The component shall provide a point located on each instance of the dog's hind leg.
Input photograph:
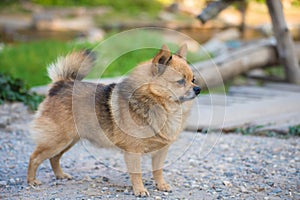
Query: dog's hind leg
(41, 153)
(56, 165)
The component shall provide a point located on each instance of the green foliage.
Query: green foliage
(13, 89)
(249, 130)
(258, 131)
(276, 71)
(119, 5)
(259, 1)
(8, 2)
(294, 130)
(28, 61)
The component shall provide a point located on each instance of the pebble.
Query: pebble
(193, 162)
(276, 190)
(186, 185)
(157, 198)
(165, 193)
(227, 183)
(243, 189)
(12, 181)
(228, 174)
(126, 192)
(270, 183)
(105, 179)
(3, 183)
(53, 183)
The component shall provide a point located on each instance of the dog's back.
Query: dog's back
(70, 101)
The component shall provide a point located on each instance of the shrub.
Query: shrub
(14, 89)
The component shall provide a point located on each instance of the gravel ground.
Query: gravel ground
(211, 166)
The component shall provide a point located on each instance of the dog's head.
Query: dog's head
(172, 76)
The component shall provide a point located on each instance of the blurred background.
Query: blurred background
(34, 32)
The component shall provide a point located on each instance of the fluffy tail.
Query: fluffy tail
(74, 66)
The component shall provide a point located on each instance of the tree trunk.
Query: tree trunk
(285, 47)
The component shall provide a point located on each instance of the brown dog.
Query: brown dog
(143, 114)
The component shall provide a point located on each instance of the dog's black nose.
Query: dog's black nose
(197, 90)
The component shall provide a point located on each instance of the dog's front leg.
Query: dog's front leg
(158, 159)
(133, 162)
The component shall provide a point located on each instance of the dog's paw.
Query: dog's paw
(34, 182)
(141, 192)
(64, 176)
(164, 187)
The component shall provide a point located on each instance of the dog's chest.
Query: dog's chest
(173, 124)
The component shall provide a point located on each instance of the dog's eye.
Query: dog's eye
(193, 81)
(181, 82)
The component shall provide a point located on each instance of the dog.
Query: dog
(143, 114)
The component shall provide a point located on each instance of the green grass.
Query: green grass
(132, 6)
(125, 6)
(28, 61)
(276, 71)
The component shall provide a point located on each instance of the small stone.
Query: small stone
(53, 184)
(276, 190)
(4, 121)
(243, 189)
(165, 193)
(157, 198)
(12, 181)
(227, 183)
(228, 174)
(186, 185)
(105, 188)
(270, 183)
(3, 183)
(105, 179)
(193, 162)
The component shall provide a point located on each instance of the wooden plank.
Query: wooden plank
(283, 87)
(273, 107)
(259, 91)
(219, 99)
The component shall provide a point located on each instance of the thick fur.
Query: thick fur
(143, 114)
(74, 66)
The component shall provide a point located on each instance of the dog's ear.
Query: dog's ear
(182, 51)
(160, 60)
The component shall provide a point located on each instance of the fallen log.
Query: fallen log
(214, 72)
